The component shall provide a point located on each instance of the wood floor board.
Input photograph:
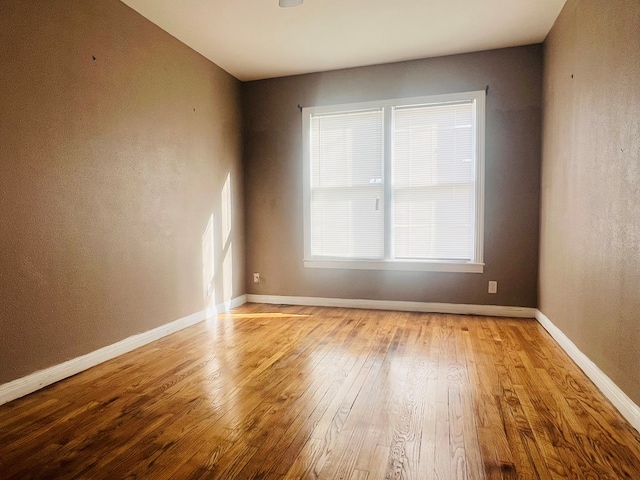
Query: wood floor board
(287, 392)
(293, 412)
(313, 424)
(349, 444)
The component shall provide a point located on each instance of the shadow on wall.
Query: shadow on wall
(217, 276)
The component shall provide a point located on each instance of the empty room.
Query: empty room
(320, 239)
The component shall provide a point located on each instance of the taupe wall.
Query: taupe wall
(273, 174)
(109, 171)
(590, 229)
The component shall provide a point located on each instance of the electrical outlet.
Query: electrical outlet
(493, 286)
(256, 278)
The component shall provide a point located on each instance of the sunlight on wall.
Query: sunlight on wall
(227, 275)
(208, 266)
(227, 247)
(225, 217)
(217, 278)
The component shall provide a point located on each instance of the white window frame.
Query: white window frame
(476, 265)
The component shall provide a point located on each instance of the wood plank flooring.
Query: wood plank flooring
(283, 392)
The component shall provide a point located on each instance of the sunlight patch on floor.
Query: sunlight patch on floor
(260, 315)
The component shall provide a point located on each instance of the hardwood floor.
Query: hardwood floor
(298, 392)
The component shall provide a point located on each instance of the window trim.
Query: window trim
(476, 265)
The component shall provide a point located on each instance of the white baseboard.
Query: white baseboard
(226, 306)
(40, 379)
(462, 309)
(622, 402)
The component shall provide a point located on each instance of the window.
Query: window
(397, 184)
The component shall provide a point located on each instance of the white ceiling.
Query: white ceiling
(254, 39)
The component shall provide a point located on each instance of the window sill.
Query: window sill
(461, 267)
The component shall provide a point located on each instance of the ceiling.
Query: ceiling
(255, 39)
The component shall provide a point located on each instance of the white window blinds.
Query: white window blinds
(347, 211)
(433, 182)
(395, 184)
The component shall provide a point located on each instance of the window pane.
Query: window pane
(433, 223)
(433, 182)
(347, 213)
(347, 222)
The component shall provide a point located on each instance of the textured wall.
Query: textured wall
(273, 173)
(590, 228)
(115, 144)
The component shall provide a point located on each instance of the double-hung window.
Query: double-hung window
(395, 184)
